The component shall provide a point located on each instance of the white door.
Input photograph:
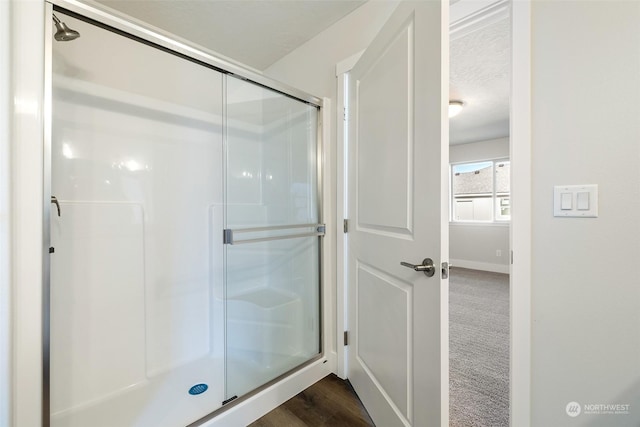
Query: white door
(398, 156)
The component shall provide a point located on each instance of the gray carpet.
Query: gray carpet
(479, 348)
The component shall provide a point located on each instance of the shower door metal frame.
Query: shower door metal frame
(46, 217)
(167, 42)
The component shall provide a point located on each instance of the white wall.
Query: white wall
(311, 67)
(5, 224)
(25, 187)
(475, 245)
(585, 280)
(481, 150)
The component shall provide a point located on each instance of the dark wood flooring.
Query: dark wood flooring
(331, 402)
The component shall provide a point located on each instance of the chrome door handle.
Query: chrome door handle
(426, 267)
(54, 200)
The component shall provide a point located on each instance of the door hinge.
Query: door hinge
(52, 250)
(346, 338)
(345, 225)
(511, 257)
(344, 115)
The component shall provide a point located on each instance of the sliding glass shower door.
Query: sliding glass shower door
(185, 235)
(272, 236)
(137, 315)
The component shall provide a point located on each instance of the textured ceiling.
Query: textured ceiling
(479, 76)
(254, 32)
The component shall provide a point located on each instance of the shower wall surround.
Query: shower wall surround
(154, 320)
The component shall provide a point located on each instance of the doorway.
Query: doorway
(480, 215)
(499, 10)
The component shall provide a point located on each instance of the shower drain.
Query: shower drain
(198, 389)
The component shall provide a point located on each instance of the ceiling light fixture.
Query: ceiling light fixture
(455, 107)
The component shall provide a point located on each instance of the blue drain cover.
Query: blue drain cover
(198, 389)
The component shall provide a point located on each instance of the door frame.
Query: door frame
(520, 229)
(342, 291)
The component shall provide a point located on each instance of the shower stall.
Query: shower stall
(185, 232)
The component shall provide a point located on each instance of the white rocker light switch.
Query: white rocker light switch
(566, 201)
(580, 201)
(583, 201)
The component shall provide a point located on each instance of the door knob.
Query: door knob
(426, 267)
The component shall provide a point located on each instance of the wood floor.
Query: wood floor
(331, 402)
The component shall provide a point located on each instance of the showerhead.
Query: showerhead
(64, 33)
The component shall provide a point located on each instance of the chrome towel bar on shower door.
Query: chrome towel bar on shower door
(229, 235)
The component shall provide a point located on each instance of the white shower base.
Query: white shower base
(164, 399)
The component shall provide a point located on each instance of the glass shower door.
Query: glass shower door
(137, 321)
(272, 251)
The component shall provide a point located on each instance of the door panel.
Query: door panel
(384, 341)
(398, 152)
(384, 122)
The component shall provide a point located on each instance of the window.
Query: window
(480, 191)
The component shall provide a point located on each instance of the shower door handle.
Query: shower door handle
(426, 267)
(54, 200)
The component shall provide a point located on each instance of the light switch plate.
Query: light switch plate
(583, 206)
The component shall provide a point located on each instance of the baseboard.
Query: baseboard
(258, 405)
(484, 266)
